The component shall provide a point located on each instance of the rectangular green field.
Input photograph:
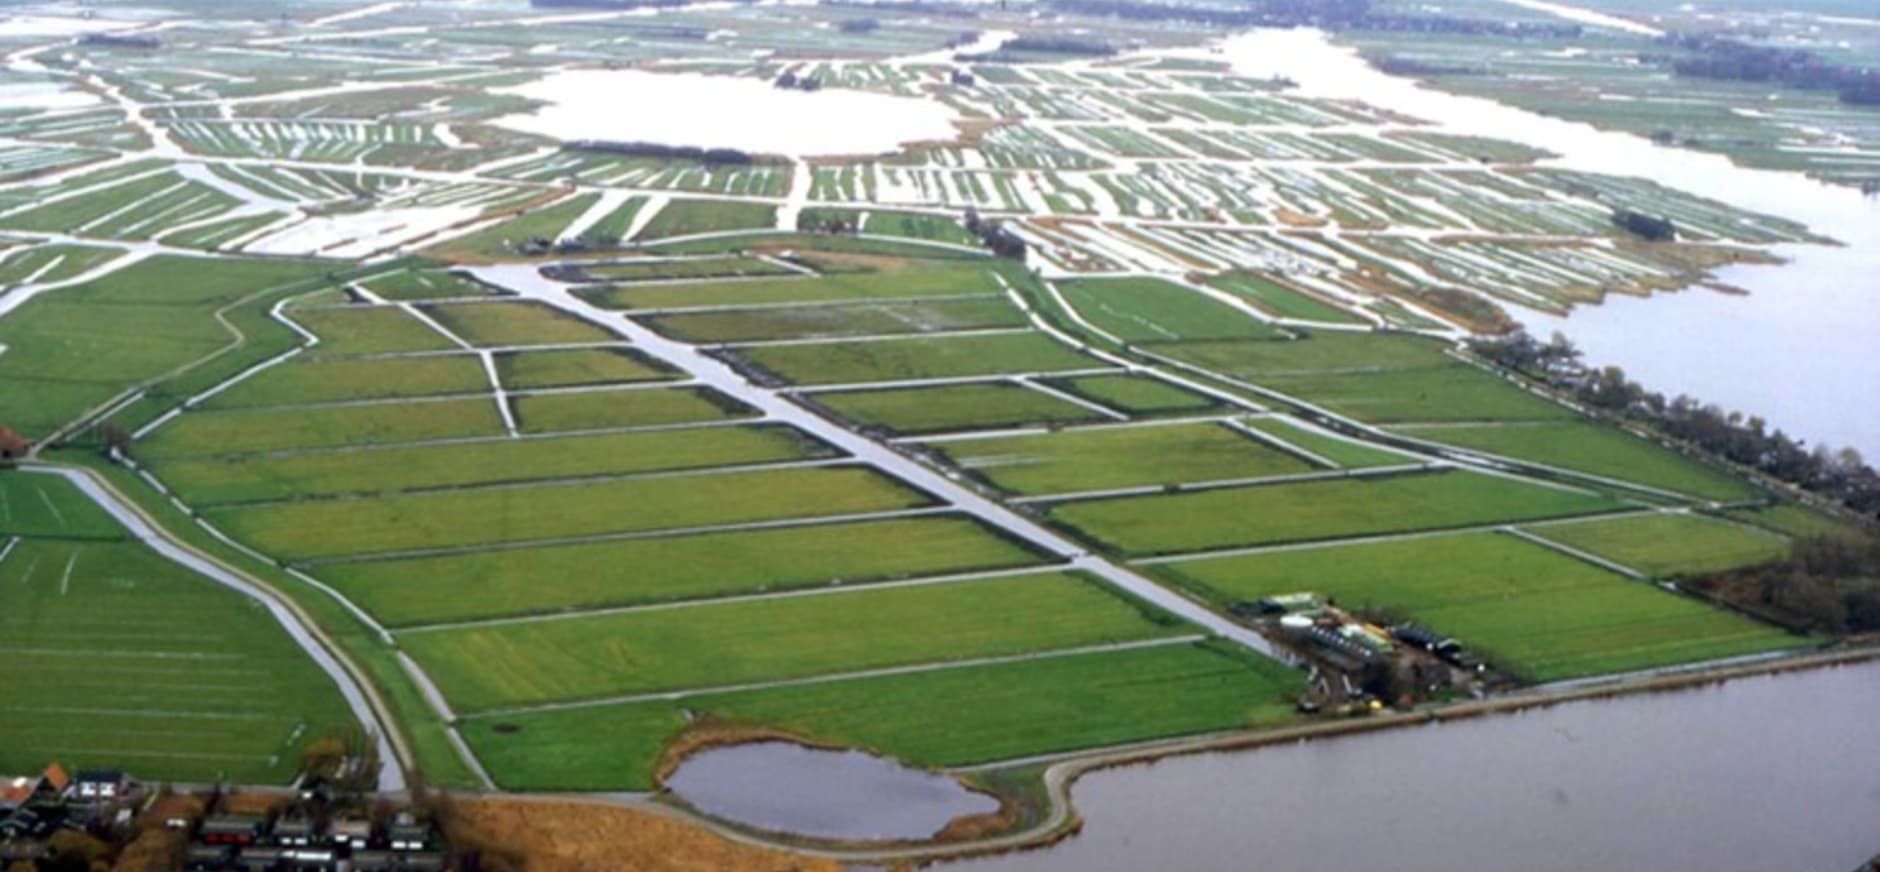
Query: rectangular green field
(308, 381)
(744, 641)
(1280, 300)
(507, 238)
(922, 358)
(665, 568)
(1456, 392)
(692, 217)
(251, 431)
(836, 321)
(468, 519)
(1156, 310)
(1670, 545)
(1136, 395)
(1794, 520)
(1091, 459)
(1597, 449)
(948, 408)
(118, 658)
(1344, 453)
(574, 367)
(392, 469)
(1314, 352)
(429, 284)
(732, 266)
(345, 330)
(1306, 511)
(946, 717)
(1537, 613)
(916, 279)
(501, 323)
(617, 409)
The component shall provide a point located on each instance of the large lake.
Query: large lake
(1767, 774)
(1800, 349)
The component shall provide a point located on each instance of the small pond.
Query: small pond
(840, 795)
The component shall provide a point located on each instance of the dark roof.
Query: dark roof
(97, 776)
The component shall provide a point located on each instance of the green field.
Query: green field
(1456, 392)
(74, 348)
(912, 359)
(572, 367)
(737, 642)
(44, 506)
(467, 519)
(1136, 394)
(1090, 459)
(1306, 511)
(1793, 520)
(347, 330)
(1670, 545)
(308, 381)
(1534, 612)
(497, 324)
(917, 226)
(691, 217)
(663, 568)
(1155, 310)
(1314, 352)
(1344, 453)
(392, 469)
(683, 268)
(947, 717)
(420, 285)
(247, 431)
(1281, 301)
(506, 238)
(835, 321)
(953, 407)
(1594, 448)
(608, 410)
(912, 279)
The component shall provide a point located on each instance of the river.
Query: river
(1765, 774)
(1798, 350)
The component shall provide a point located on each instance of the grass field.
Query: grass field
(1281, 301)
(605, 410)
(946, 717)
(664, 568)
(1456, 392)
(467, 519)
(1341, 452)
(826, 321)
(1155, 310)
(333, 380)
(119, 658)
(1793, 520)
(247, 431)
(1669, 545)
(1598, 449)
(911, 359)
(736, 642)
(953, 407)
(1306, 511)
(1315, 352)
(392, 469)
(683, 268)
(1542, 615)
(1136, 394)
(1070, 461)
(907, 279)
(691, 217)
(345, 330)
(72, 349)
(44, 506)
(497, 324)
(917, 226)
(430, 284)
(570, 367)
(505, 239)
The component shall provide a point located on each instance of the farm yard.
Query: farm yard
(582, 452)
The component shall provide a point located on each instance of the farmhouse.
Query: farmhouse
(100, 785)
(12, 445)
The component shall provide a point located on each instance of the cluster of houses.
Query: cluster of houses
(308, 830)
(1328, 636)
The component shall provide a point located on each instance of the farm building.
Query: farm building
(100, 785)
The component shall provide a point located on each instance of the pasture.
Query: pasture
(616, 409)
(1136, 394)
(311, 381)
(1306, 511)
(1156, 310)
(1093, 459)
(501, 324)
(352, 330)
(1594, 448)
(251, 431)
(837, 321)
(693, 217)
(900, 281)
(946, 717)
(1670, 545)
(947, 408)
(938, 357)
(573, 367)
(1536, 613)
(737, 642)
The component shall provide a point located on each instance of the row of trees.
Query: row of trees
(1717, 57)
(1840, 475)
(1828, 584)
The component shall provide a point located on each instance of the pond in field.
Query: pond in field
(1798, 349)
(725, 112)
(845, 795)
(1766, 774)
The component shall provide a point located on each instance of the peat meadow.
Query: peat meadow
(629, 434)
